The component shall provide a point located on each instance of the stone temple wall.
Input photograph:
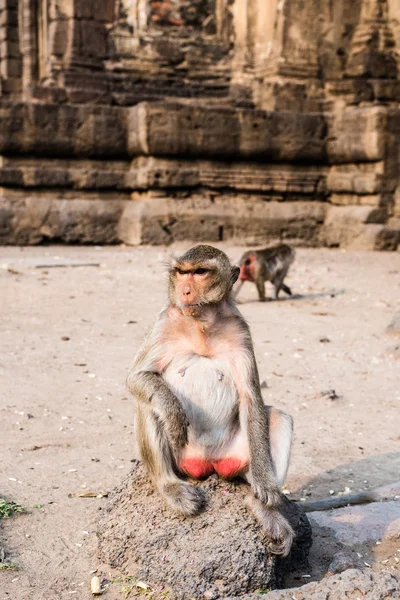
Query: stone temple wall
(149, 121)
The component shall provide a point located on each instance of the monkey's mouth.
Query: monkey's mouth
(190, 305)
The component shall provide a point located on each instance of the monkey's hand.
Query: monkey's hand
(266, 490)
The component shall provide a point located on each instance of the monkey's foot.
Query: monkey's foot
(278, 530)
(184, 497)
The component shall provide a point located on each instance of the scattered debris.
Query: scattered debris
(88, 495)
(141, 585)
(324, 340)
(343, 560)
(329, 395)
(264, 385)
(67, 264)
(95, 586)
(65, 338)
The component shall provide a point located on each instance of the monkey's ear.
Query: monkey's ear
(235, 272)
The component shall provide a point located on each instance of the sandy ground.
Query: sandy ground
(68, 336)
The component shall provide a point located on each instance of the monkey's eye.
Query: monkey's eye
(247, 262)
(200, 271)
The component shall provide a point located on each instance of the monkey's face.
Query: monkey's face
(193, 287)
(201, 277)
(248, 268)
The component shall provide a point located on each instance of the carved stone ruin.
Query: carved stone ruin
(221, 552)
(150, 121)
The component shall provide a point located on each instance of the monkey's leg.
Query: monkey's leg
(273, 522)
(286, 289)
(278, 283)
(158, 458)
(280, 429)
(277, 528)
(260, 288)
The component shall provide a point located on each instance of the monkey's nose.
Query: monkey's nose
(186, 291)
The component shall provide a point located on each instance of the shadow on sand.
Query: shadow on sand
(284, 298)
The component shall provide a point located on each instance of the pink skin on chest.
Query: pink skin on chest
(199, 468)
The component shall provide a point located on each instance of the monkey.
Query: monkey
(199, 408)
(269, 264)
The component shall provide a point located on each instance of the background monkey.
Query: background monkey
(269, 264)
(199, 407)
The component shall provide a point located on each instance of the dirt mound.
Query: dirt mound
(218, 553)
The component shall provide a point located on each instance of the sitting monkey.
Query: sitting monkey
(199, 408)
(269, 264)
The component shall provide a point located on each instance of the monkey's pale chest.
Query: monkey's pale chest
(206, 388)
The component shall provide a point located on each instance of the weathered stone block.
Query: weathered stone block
(62, 130)
(60, 32)
(355, 199)
(187, 130)
(286, 136)
(224, 550)
(104, 10)
(372, 64)
(9, 49)
(362, 524)
(60, 9)
(365, 585)
(9, 13)
(394, 223)
(357, 135)
(163, 219)
(101, 10)
(357, 227)
(90, 38)
(280, 179)
(33, 219)
(84, 9)
(362, 179)
(11, 67)
(9, 34)
(167, 129)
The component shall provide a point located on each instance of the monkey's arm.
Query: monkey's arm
(263, 480)
(146, 384)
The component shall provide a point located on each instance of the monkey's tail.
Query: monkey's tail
(340, 501)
